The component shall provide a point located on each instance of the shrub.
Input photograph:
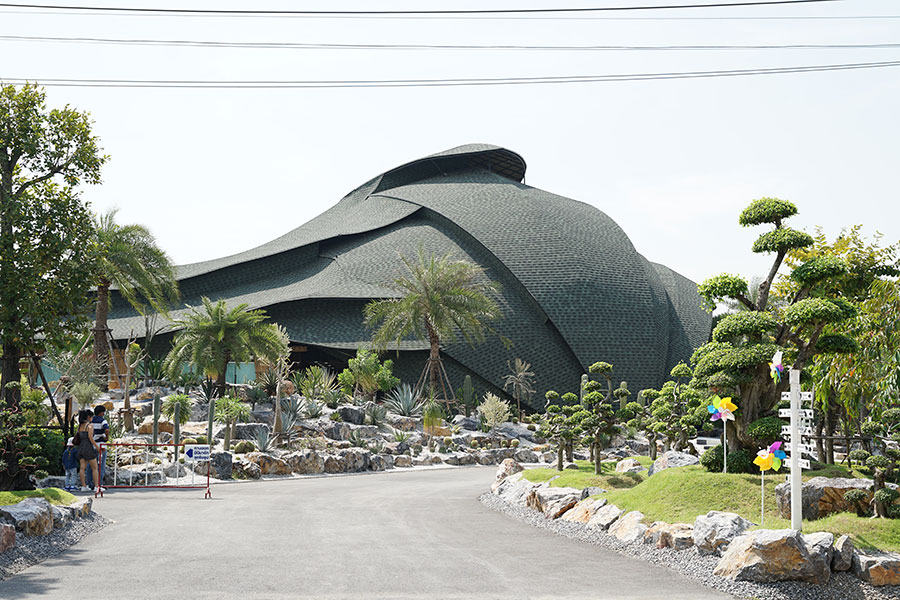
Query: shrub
(313, 410)
(712, 459)
(765, 430)
(739, 461)
(49, 454)
(859, 456)
(878, 462)
(244, 446)
(886, 496)
(336, 416)
(493, 410)
(403, 401)
(856, 498)
(41, 474)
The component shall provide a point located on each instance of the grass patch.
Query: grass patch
(53, 495)
(585, 476)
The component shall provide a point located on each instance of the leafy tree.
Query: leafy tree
(230, 410)
(440, 300)
(743, 343)
(520, 381)
(560, 425)
(127, 257)
(366, 374)
(678, 411)
(45, 232)
(216, 335)
(494, 411)
(598, 422)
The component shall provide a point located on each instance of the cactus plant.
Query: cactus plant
(157, 405)
(468, 394)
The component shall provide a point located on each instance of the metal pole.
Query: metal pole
(796, 484)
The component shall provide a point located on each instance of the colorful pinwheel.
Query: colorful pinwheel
(776, 369)
(771, 458)
(721, 408)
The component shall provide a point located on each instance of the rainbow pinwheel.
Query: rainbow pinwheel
(776, 369)
(722, 408)
(771, 458)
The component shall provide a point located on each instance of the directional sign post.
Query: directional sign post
(796, 484)
(196, 452)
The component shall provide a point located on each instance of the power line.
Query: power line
(247, 12)
(329, 46)
(393, 83)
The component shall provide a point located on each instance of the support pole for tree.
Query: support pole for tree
(62, 423)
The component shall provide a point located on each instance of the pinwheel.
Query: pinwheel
(722, 408)
(776, 369)
(765, 460)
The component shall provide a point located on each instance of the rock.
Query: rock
(268, 464)
(31, 516)
(145, 475)
(337, 431)
(672, 459)
(670, 535)
(381, 462)
(57, 481)
(352, 414)
(306, 462)
(62, 516)
(402, 423)
(82, 506)
(820, 546)
(821, 496)
(591, 491)
(881, 568)
(616, 453)
(222, 464)
(508, 467)
(356, 459)
(245, 431)
(402, 460)
(769, 555)
(842, 559)
(146, 428)
(468, 423)
(178, 470)
(7, 537)
(515, 430)
(605, 516)
(584, 510)
(548, 457)
(629, 465)
(570, 465)
(501, 454)
(335, 464)
(629, 528)
(485, 457)
(461, 458)
(553, 501)
(638, 446)
(244, 469)
(526, 456)
(514, 489)
(714, 530)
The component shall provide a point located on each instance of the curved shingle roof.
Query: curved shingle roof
(574, 289)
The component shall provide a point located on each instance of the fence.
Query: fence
(145, 465)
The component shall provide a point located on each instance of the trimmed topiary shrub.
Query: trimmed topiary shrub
(739, 461)
(243, 447)
(886, 495)
(856, 498)
(712, 459)
(765, 430)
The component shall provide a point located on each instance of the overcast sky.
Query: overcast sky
(214, 172)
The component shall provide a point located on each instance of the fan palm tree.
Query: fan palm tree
(520, 381)
(127, 257)
(441, 299)
(215, 335)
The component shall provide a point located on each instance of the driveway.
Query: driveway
(414, 534)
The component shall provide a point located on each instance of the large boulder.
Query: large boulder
(306, 462)
(244, 469)
(526, 456)
(31, 516)
(175, 469)
(584, 510)
(335, 463)
(402, 460)
(62, 516)
(630, 527)
(7, 537)
(222, 464)
(356, 459)
(467, 423)
(514, 430)
(352, 414)
(769, 555)
(821, 496)
(146, 428)
(337, 431)
(842, 559)
(672, 459)
(514, 489)
(629, 465)
(508, 467)
(715, 530)
(55, 481)
(486, 457)
(82, 506)
(877, 568)
(268, 464)
(605, 516)
(670, 535)
(402, 423)
(553, 501)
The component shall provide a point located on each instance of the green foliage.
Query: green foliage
(765, 430)
(569, 398)
(854, 496)
(313, 410)
(740, 461)
(747, 323)
(878, 462)
(681, 370)
(721, 287)
(403, 401)
(264, 439)
(781, 240)
(749, 356)
(818, 269)
(188, 441)
(712, 459)
(600, 368)
(521, 381)
(268, 381)
(243, 447)
(493, 410)
(859, 456)
(886, 495)
(255, 395)
(230, 410)
(201, 439)
(315, 382)
(467, 397)
(812, 310)
(184, 414)
(336, 417)
(836, 343)
(45, 448)
(366, 373)
(376, 414)
(32, 404)
(767, 210)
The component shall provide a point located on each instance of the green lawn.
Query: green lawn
(53, 495)
(680, 495)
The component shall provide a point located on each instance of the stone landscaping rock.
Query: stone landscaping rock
(245, 431)
(352, 414)
(629, 528)
(460, 458)
(570, 465)
(380, 462)
(553, 501)
(7, 537)
(515, 430)
(591, 491)
(355, 459)
(638, 446)
(306, 462)
(822, 496)
(222, 464)
(178, 470)
(31, 516)
(402, 423)
(82, 506)
(670, 535)
(714, 530)
(268, 464)
(402, 460)
(526, 456)
(548, 457)
(57, 481)
(468, 423)
(769, 555)
(485, 457)
(335, 464)
(820, 546)
(514, 489)
(878, 569)
(337, 431)
(629, 465)
(605, 516)
(672, 459)
(244, 469)
(508, 467)
(146, 428)
(842, 558)
(144, 475)
(584, 510)
(62, 515)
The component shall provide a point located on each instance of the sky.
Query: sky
(213, 172)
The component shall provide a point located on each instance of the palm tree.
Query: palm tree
(216, 335)
(521, 381)
(127, 257)
(440, 299)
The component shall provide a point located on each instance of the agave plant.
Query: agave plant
(292, 406)
(401, 436)
(289, 434)
(377, 446)
(403, 401)
(332, 398)
(376, 414)
(264, 439)
(313, 410)
(268, 381)
(357, 440)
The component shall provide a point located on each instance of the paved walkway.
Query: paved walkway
(420, 534)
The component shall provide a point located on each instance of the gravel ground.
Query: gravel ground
(29, 551)
(842, 586)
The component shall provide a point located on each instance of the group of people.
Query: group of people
(83, 454)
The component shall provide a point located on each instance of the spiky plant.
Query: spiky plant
(403, 401)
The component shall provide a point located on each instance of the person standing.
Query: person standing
(88, 448)
(101, 435)
(70, 464)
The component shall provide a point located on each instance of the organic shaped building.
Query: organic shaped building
(574, 290)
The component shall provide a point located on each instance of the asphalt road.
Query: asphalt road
(419, 534)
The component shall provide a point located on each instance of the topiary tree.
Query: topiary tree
(881, 466)
(648, 421)
(598, 421)
(856, 498)
(765, 431)
(494, 411)
(558, 425)
(743, 343)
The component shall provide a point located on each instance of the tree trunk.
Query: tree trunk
(434, 359)
(829, 433)
(12, 355)
(559, 455)
(129, 418)
(820, 428)
(652, 440)
(101, 332)
(570, 450)
(878, 481)
(598, 466)
(276, 425)
(221, 378)
(12, 477)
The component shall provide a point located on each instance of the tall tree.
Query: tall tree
(45, 233)
(521, 381)
(128, 258)
(216, 335)
(440, 300)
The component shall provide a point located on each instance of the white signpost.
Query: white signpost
(196, 452)
(801, 426)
